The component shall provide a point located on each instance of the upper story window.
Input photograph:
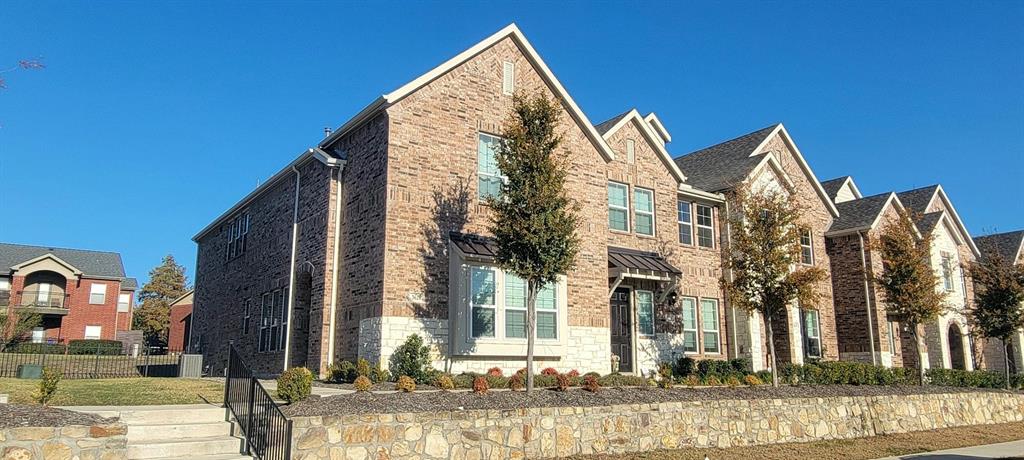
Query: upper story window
(685, 220)
(806, 248)
(709, 322)
(618, 206)
(630, 151)
(643, 202)
(508, 78)
(238, 235)
(98, 294)
(489, 176)
(812, 334)
(690, 341)
(947, 271)
(645, 312)
(705, 226)
(247, 316)
(124, 302)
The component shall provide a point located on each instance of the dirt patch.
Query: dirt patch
(374, 403)
(20, 415)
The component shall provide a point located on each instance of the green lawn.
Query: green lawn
(119, 392)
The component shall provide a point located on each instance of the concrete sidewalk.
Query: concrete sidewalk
(1004, 450)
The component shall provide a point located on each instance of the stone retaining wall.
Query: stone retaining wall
(96, 442)
(559, 432)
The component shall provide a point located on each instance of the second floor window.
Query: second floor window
(618, 206)
(97, 294)
(123, 302)
(238, 236)
(806, 248)
(643, 201)
(705, 226)
(490, 180)
(685, 219)
(947, 271)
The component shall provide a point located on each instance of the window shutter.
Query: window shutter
(508, 78)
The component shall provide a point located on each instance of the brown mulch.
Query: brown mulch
(376, 403)
(21, 415)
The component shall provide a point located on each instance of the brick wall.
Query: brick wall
(179, 324)
(80, 312)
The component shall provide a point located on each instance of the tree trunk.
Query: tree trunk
(531, 325)
(918, 332)
(771, 350)
(1006, 360)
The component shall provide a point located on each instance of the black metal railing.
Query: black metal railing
(86, 361)
(267, 432)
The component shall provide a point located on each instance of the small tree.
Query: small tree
(14, 325)
(153, 316)
(909, 285)
(763, 261)
(998, 310)
(533, 220)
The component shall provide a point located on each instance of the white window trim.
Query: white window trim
(696, 323)
(654, 329)
(638, 212)
(718, 327)
(493, 307)
(893, 330)
(619, 208)
(127, 303)
(689, 224)
(630, 151)
(480, 174)
(946, 266)
(809, 246)
(92, 292)
(709, 227)
(247, 316)
(43, 291)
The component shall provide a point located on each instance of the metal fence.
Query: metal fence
(99, 360)
(267, 432)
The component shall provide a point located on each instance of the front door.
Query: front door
(622, 329)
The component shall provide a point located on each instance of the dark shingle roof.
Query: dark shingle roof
(860, 213)
(832, 186)
(1005, 244)
(639, 260)
(94, 263)
(129, 284)
(723, 166)
(916, 200)
(604, 126)
(927, 222)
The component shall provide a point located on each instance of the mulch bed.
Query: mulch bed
(380, 386)
(378, 403)
(20, 415)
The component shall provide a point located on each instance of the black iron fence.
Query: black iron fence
(85, 360)
(267, 432)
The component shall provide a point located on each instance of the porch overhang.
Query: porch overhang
(630, 263)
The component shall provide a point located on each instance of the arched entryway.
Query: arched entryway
(957, 354)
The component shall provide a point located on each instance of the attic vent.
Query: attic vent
(508, 78)
(630, 150)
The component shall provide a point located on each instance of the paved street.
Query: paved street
(1004, 450)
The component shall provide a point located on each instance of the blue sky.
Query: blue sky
(152, 119)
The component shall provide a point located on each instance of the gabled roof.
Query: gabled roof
(918, 200)
(724, 166)
(927, 223)
(861, 214)
(130, 284)
(1008, 245)
(605, 126)
(510, 31)
(609, 128)
(181, 297)
(833, 186)
(90, 263)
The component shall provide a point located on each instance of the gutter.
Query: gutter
(291, 271)
(867, 299)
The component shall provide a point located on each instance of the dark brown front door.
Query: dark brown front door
(622, 329)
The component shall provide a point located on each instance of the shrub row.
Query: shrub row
(687, 366)
(74, 347)
(845, 373)
(972, 379)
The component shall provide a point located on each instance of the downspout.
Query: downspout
(867, 299)
(291, 271)
(334, 269)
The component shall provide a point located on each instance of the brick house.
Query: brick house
(379, 232)
(1009, 246)
(79, 294)
(180, 325)
(768, 159)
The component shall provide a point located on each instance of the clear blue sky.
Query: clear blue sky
(150, 120)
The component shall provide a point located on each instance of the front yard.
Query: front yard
(119, 392)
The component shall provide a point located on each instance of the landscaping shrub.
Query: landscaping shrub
(47, 386)
(515, 383)
(544, 381)
(494, 372)
(549, 371)
(590, 383)
(595, 374)
(1017, 381)
(405, 384)
(573, 373)
(732, 381)
(665, 383)
(480, 385)
(464, 380)
(739, 365)
(95, 347)
(712, 381)
(496, 382)
(379, 374)
(691, 381)
(363, 367)
(664, 370)
(444, 382)
(362, 383)
(966, 379)
(753, 380)
(765, 376)
(412, 359)
(561, 382)
(37, 348)
(844, 373)
(620, 380)
(342, 372)
(294, 384)
(685, 367)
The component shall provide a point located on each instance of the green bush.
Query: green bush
(47, 386)
(294, 384)
(38, 348)
(379, 374)
(966, 379)
(412, 359)
(363, 367)
(1017, 381)
(739, 365)
(685, 367)
(621, 380)
(406, 384)
(843, 373)
(342, 372)
(444, 382)
(95, 347)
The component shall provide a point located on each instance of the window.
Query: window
(247, 317)
(705, 226)
(508, 78)
(547, 313)
(630, 150)
(689, 325)
(273, 320)
(97, 294)
(238, 236)
(93, 332)
(812, 334)
(43, 296)
(645, 312)
(685, 220)
(806, 248)
(515, 310)
(618, 206)
(123, 302)
(947, 271)
(709, 322)
(489, 176)
(893, 330)
(5, 284)
(482, 301)
(38, 334)
(643, 201)
(5, 291)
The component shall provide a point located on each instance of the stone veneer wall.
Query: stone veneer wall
(565, 431)
(96, 442)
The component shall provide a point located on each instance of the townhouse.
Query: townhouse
(1010, 247)
(78, 294)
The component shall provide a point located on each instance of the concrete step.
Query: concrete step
(169, 416)
(185, 448)
(138, 433)
(210, 457)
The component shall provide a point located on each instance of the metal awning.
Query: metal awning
(474, 245)
(632, 260)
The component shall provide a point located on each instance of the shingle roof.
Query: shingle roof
(639, 260)
(917, 200)
(129, 284)
(94, 263)
(604, 126)
(832, 186)
(723, 166)
(927, 222)
(860, 213)
(1005, 244)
